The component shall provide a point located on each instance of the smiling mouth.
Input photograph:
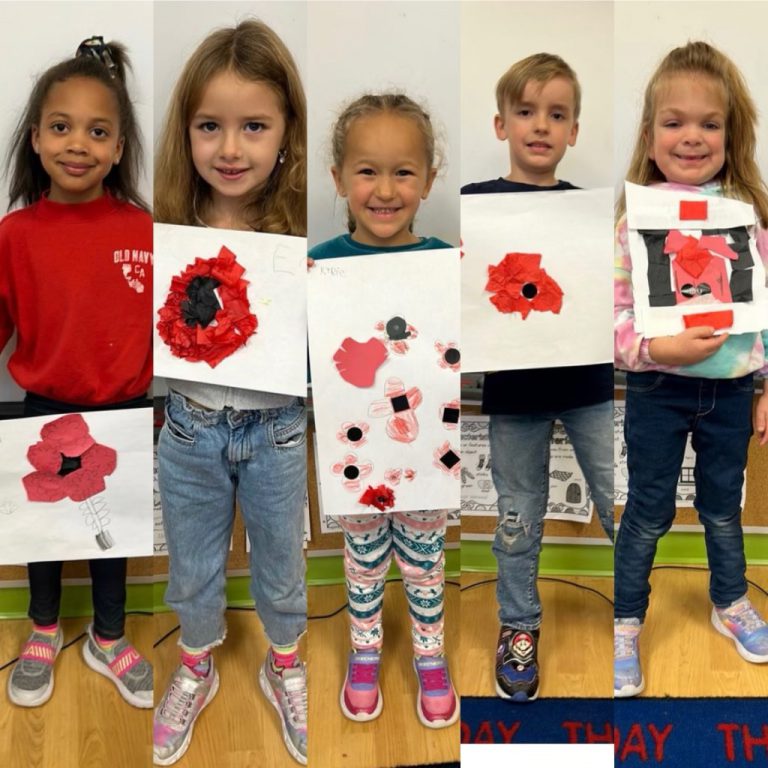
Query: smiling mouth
(691, 158)
(383, 211)
(538, 145)
(231, 173)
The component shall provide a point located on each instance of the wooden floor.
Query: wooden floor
(239, 728)
(576, 641)
(396, 737)
(681, 652)
(86, 724)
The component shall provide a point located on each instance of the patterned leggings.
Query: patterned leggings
(417, 540)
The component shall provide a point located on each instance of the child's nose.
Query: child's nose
(384, 187)
(230, 144)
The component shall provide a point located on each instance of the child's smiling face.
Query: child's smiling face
(78, 138)
(688, 138)
(539, 128)
(384, 176)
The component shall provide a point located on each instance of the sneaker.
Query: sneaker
(436, 703)
(627, 676)
(186, 697)
(31, 682)
(124, 666)
(361, 697)
(744, 625)
(517, 665)
(286, 689)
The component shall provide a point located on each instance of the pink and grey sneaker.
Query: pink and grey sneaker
(31, 682)
(746, 627)
(124, 666)
(361, 697)
(436, 704)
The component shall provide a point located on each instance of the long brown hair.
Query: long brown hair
(28, 179)
(739, 176)
(252, 51)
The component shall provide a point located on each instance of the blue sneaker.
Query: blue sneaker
(627, 675)
(517, 668)
(744, 625)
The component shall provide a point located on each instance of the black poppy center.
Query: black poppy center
(450, 459)
(529, 290)
(351, 472)
(396, 329)
(452, 356)
(69, 464)
(354, 434)
(400, 403)
(450, 415)
(202, 304)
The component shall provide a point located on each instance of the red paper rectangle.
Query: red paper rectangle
(693, 210)
(716, 320)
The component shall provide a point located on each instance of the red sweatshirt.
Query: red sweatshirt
(76, 285)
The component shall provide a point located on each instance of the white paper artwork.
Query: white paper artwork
(536, 279)
(385, 359)
(693, 255)
(77, 486)
(569, 497)
(240, 276)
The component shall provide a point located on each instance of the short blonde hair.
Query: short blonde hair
(539, 68)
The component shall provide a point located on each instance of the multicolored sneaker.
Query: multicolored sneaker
(124, 666)
(186, 697)
(744, 625)
(31, 682)
(517, 665)
(627, 675)
(286, 689)
(361, 697)
(436, 703)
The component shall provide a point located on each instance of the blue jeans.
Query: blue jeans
(206, 459)
(661, 410)
(520, 470)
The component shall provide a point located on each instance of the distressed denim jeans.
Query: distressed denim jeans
(662, 409)
(520, 470)
(206, 460)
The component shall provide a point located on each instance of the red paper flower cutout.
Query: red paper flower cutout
(380, 497)
(69, 462)
(209, 287)
(399, 404)
(353, 433)
(358, 362)
(519, 284)
(397, 333)
(448, 460)
(450, 356)
(352, 471)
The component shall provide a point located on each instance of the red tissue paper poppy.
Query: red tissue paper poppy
(183, 325)
(519, 284)
(69, 462)
(380, 497)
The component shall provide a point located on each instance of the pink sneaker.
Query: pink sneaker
(436, 704)
(361, 697)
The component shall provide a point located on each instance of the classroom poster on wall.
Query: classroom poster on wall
(230, 308)
(385, 361)
(77, 486)
(537, 279)
(694, 263)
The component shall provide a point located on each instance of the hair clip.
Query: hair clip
(98, 49)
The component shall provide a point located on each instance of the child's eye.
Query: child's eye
(712, 126)
(99, 133)
(558, 116)
(207, 127)
(252, 126)
(523, 112)
(671, 124)
(366, 171)
(404, 172)
(59, 127)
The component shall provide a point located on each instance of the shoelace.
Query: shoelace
(746, 615)
(624, 644)
(296, 691)
(364, 672)
(433, 679)
(177, 705)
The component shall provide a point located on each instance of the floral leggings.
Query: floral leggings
(417, 540)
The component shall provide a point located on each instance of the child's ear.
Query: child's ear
(430, 181)
(498, 126)
(336, 173)
(35, 138)
(119, 151)
(573, 134)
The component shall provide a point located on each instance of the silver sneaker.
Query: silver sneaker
(31, 682)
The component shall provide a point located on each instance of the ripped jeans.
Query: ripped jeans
(520, 470)
(207, 459)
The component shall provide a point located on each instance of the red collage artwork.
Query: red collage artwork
(519, 284)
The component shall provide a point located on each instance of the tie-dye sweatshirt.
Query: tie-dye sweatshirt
(741, 354)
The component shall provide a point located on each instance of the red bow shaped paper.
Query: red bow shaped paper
(694, 254)
(519, 284)
(233, 323)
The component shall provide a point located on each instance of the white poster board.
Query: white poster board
(693, 254)
(266, 353)
(383, 342)
(96, 502)
(537, 279)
